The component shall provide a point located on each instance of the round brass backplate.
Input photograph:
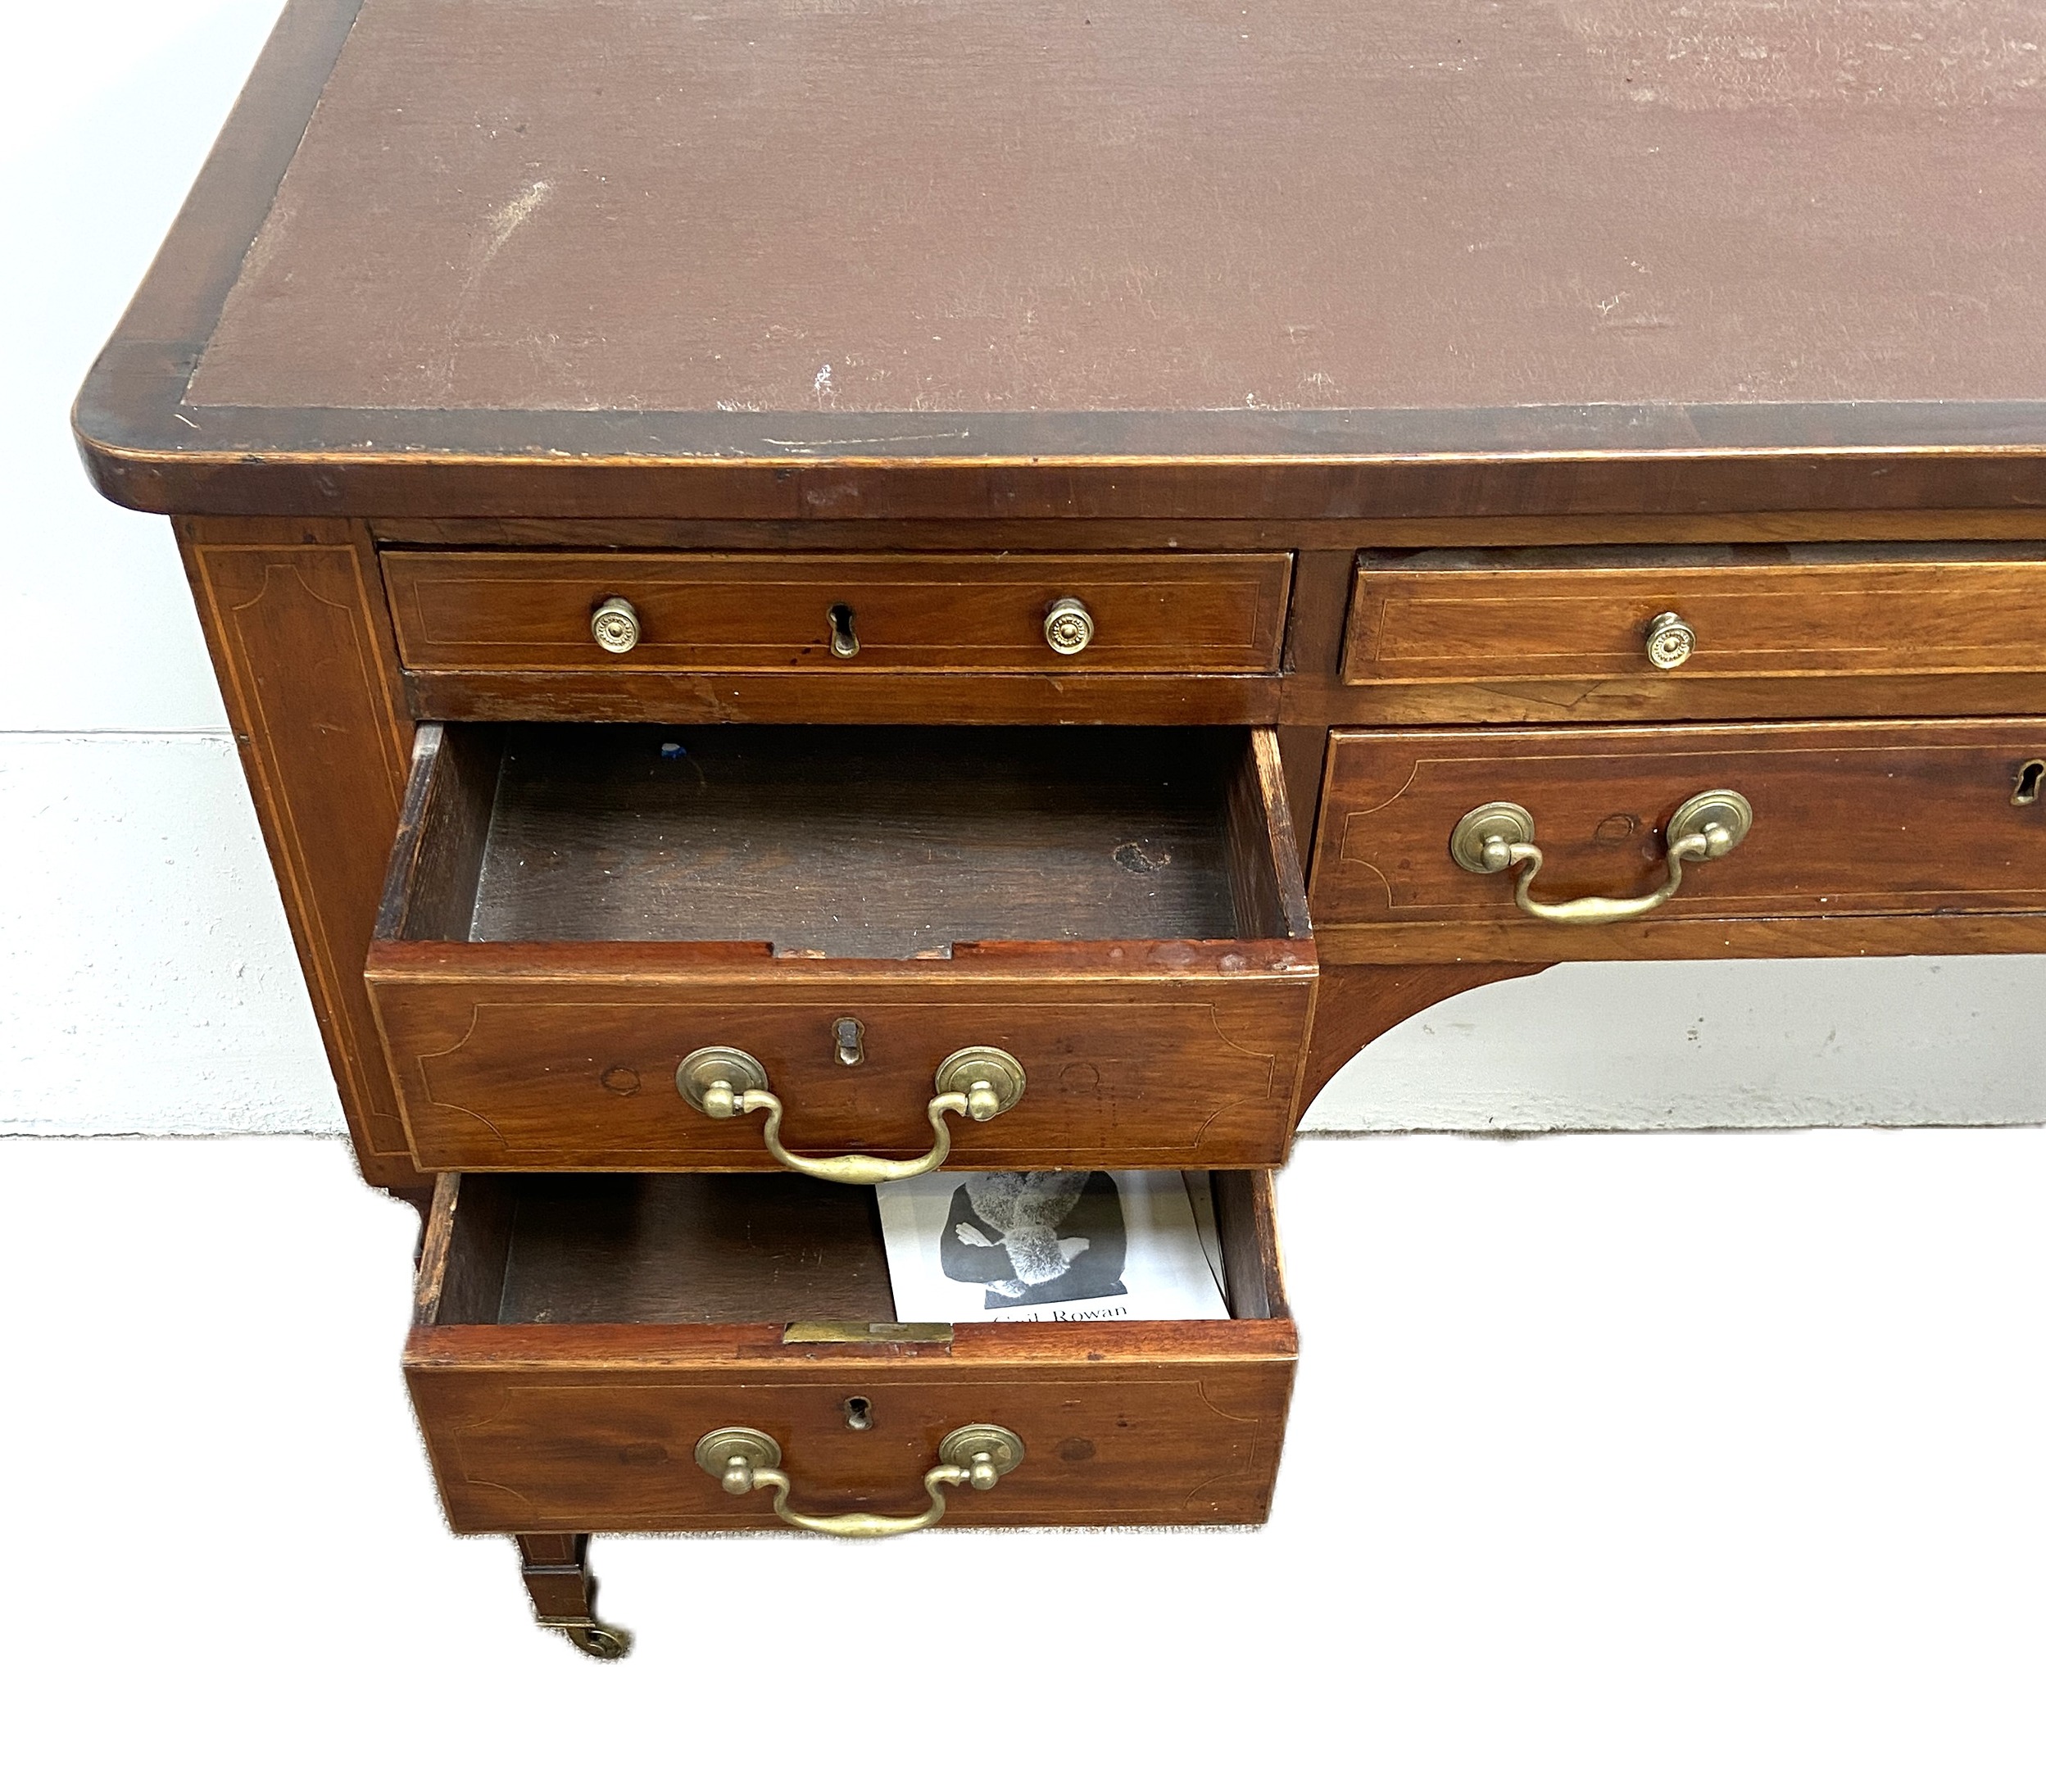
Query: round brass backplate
(614, 625)
(709, 1065)
(1003, 1448)
(982, 1063)
(1722, 809)
(1069, 627)
(1507, 821)
(1670, 641)
(716, 1449)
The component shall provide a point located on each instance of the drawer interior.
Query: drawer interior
(719, 1250)
(862, 843)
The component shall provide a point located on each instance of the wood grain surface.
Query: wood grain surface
(1445, 630)
(1200, 613)
(677, 1250)
(1868, 837)
(295, 621)
(864, 843)
(573, 1427)
(1148, 1053)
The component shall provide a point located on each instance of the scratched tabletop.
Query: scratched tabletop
(710, 231)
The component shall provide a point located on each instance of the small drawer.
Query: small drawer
(572, 910)
(1865, 837)
(1535, 634)
(578, 1336)
(838, 615)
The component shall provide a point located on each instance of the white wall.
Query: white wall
(146, 982)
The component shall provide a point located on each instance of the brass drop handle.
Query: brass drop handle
(741, 1459)
(614, 625)
(1670, 641)
(1499, 837)
(723, 1082)
(1069, 626)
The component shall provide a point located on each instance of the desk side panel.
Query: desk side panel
(296, 621)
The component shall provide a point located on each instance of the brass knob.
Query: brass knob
(1670, 641)
(725, 1082)
(740, 1458)
(614, 625)
(1500, 836)
(1069, 627)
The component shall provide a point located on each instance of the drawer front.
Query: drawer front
(1535, 634)
(839, 615)
(1168, 1432)
(1866, 837)
(549, 1062)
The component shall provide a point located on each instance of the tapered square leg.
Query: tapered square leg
(555, 1565)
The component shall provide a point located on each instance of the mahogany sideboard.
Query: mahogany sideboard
(802, 588)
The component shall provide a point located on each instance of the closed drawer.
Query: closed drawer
(1533, 634)
(576, 1336)
(840, 615)
(572, 910)
(1876, 837)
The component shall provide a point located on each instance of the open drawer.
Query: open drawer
(580, 1337)
(1099, 934)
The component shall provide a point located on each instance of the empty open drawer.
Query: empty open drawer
(579, 1338)
(1099, 935)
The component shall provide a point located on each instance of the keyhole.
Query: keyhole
(858, 1413)
(851, 1036)
(2029, 775)
(844, 642)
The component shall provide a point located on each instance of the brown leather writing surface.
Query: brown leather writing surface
(1315, 258)
(1051, 205)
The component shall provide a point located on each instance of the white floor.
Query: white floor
(1639, 1462)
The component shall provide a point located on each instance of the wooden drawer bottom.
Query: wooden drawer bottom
(577, 1336)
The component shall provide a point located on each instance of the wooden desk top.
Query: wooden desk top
(799, 258)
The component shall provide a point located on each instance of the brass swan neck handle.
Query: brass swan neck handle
(741, 1459)
(1500, 836)
(980, 1081)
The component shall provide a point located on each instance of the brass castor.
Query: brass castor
(605, 1642)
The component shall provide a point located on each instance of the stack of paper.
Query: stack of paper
(1053, 1244)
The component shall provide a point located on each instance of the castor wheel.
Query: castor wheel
(603, 1641)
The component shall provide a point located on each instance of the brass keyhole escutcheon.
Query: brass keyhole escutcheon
(844, 643)
(849, 1041)
(2030, 776)
(614, 625)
